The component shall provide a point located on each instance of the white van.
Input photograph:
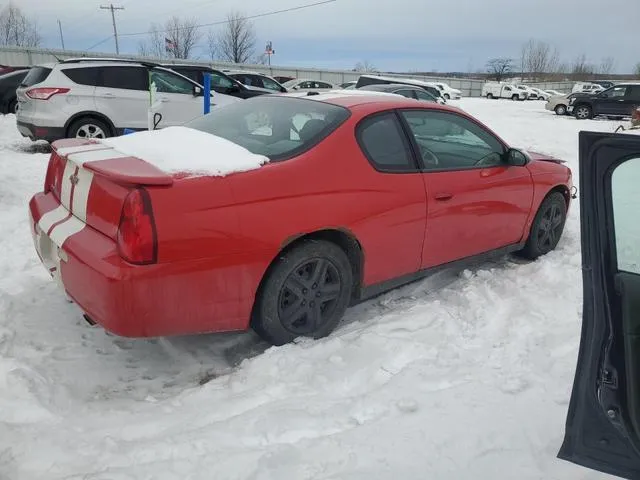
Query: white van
(503, 90)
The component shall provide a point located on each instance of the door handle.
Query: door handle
(443, 197)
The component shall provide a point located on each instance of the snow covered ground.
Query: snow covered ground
(461, 376)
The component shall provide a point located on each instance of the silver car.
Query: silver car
(102, 98)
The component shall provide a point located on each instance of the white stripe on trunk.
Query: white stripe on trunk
(48, 219)
(65, 229)
(94, 156)
(81, 194)
(65, 189)
(81, 148)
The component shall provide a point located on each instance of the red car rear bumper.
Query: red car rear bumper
(142, 301)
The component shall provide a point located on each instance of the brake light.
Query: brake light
(53, 178)
(44, 93)
(137, 240)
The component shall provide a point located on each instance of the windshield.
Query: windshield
(290, 83)
(276, 127)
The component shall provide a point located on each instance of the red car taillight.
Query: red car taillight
(44, 93)
(137, 241)
(53, 179)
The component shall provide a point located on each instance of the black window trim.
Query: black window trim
(416, 166)
(416, 147)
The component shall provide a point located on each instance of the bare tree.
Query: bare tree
(539, 58)
(237, 41)
(581, 69)
(212, 44)
(16, 29)
(365, 67)
(175, 39)
(499, 68)
(606, 66)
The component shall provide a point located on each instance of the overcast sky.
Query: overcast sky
(396, 35)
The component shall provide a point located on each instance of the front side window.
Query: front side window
(448, 141)
(167, 82)
(219, 80)
(424, 96)
(270, 84)
(626, 203)
(383, 142)
(277, 128)
(405, 93)
(615, 92)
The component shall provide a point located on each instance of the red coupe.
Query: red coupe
(361, 194)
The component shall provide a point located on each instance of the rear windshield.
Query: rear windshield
(35, 75)
(276, 127)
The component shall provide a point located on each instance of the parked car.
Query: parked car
(380, 80)
(351, 84)
(603, 421)
(4, 69)
(617, 101)
(156, 251)
(503, 90)
(560, 103)
(448, 92)
(282, 79)
(98, 99)
(256, 80)
(8, 84)
(587, 88)
(541, 94)
(604, 83)
(408, 91)
(531, 94)
(303, 84)
(220, 82)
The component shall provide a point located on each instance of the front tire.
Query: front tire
(561, 109)
(305, 294)
(583, 112)
(515, 97)
(447, 96)
(547, 227)
(489, 96)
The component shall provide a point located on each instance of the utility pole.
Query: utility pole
(113, 19)
(61, 37)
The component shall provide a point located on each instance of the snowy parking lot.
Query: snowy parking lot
(460, 376)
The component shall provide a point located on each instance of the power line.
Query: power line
(249, 17)
(100, 42)
(113, 19)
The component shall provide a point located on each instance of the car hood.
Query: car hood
(541, 157)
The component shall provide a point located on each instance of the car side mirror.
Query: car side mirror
(516, 158)
(197, 91)
(296, 87)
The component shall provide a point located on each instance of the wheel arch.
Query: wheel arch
(89, 114)
(343, 238)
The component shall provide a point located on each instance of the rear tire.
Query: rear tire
(561, 110)
(305, 293)
(89, 127)
(447, 96)
(547, 227)
(489, 96)
(515, 97)
(13, 106)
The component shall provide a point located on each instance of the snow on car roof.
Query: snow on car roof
(181, 149)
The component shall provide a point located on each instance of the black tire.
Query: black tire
(561, 109)
(583, 112)
(515, 97)
(12, 106)
(547, 227)
(489, 96)
(447, 96)
(89, 124)
(295, 282)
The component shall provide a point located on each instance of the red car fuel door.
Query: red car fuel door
(476, 202)
(603, 422)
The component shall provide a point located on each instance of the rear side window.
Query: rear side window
(278, 128)
(385, 144)
(36, 75)
(82, 76)
(127, 78)
(633, 92)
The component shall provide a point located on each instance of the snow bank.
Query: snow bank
(182, 149)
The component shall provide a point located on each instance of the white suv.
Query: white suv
(101, 98)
